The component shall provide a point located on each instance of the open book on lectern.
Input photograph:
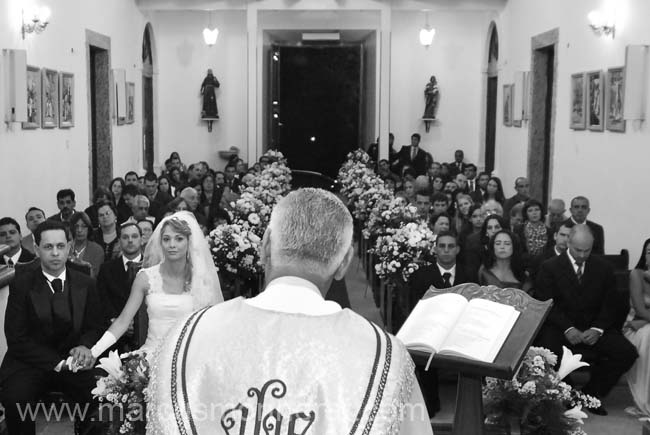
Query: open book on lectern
(449, 324)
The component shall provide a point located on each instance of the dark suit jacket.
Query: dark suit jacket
(590, 304)
(599, 236)
(28, 320)
(454, 170)
(421, 162)
(25, 257)
(428, 276)
(113, 286)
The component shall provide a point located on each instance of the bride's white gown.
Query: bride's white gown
(163, 309)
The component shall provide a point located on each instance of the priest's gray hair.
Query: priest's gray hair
(312, 228)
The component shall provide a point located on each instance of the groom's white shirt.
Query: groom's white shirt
(290, 294)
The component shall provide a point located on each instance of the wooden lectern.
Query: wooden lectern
(468, 418)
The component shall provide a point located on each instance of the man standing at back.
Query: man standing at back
(585, 314)
(579, 211)
(287, 357)
(414, 156)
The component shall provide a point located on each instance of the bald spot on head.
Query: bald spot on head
(581, 241)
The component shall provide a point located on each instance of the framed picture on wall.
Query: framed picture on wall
(614, 99)
(578, 109)
(130, 102)
(507, 105)
(50, 97)
(33, 98)
(595, 101)
(66, 100)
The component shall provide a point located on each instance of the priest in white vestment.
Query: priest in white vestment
(287, 361)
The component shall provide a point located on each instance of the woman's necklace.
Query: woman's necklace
(77, 252)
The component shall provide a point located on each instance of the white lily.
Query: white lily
(569, 363)
(112, 364)
(576, 413)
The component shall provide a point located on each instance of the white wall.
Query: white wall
(456, 58)
(607, 167)
(183, 61)
(35, 164)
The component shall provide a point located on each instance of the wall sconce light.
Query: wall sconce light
(427, 32)
(210, 35)
(40, 18)
(602, 24)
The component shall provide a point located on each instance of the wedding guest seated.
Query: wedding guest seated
(408, 189)
(66, 203)
(439, 203)
(191, 197)
(494, 191)
(481, 186)
(503, 266)
(219, 216)
(178, 204)
(157, 199)
(240, 168)
(231, 181)
(10, 236)
(477, 245)
(444, 172)
(444, 273)
(579, 211)
(637, 330)
(462, 222)
(437, 184)
(533, 233)
(176, 161)
(129, 193)
(146, 228)
(384, 172)
(434, 169)
(476, 223)
(461, 182)
(584, 312)
(555, 215)
(84, 251)
(140, 210)
(165, 186)
(116, 186)
(522, 188)
(457, 166)
(440, 223)
(210, 194)
(107, 235)
(53, 316)
(390, 185)
(470, 175)
(307, 245)
(100, 195)
(516, 218)
(491, 207)
(116, 276)
(176, 180)
(219, 179)
(33, 217)
(131, 178)
(561, 240)
(194, 172)
(423, 203)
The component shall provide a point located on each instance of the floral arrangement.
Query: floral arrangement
(356, 179)
(375, 192)
(235, 250)
(387, 214)
(403, 250)
(276, 156)
(125, 386)
(538, 397)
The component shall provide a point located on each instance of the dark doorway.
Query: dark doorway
(100, 142)
(491, 101)
(544, 67)
(315, 122)
(147, 101)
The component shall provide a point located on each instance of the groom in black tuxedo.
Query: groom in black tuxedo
(53, 317)
(444, 273)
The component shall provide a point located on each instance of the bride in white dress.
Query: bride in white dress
(177, 278)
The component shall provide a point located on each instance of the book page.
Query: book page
(431, 321)
(481, 330)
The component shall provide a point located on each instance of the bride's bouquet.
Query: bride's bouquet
(125, 387)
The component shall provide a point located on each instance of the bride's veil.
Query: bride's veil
(205, 287)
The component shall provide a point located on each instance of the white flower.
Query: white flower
(569, 363)
(100, 389)
(576, 413)
(112, 365)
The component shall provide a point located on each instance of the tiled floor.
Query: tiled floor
(617, 422)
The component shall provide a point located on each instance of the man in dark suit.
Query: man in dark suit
(65, 201)
(157, 199)
(444, 273)
(561, 238)
(413, 156)
(116, 276)
(10, 236)
(584, 313)
(457, 166)
(53, 317)
(579, 211)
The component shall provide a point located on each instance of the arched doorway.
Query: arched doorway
(491, 100)
(147, 100)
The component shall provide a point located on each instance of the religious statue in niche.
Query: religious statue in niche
(431, 94)
(209, 111)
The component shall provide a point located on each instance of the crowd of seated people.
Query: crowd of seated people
(516, 243)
